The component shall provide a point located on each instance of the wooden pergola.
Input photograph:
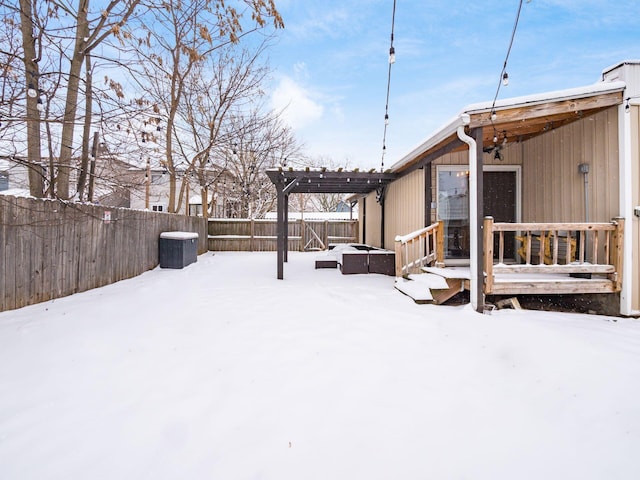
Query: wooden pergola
(289, 181)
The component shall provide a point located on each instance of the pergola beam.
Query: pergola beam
(316, 181)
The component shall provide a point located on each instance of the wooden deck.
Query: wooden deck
(589, 262)
(591, 259)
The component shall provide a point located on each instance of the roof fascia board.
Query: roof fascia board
(450, 128)
(548, 97)
(547, 109)
(432, 141)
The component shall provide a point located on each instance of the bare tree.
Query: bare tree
(30, 58)
(11, 75)
(229, 81)
(92, 28)
(260, 141)
(62, 36)
(180, 39)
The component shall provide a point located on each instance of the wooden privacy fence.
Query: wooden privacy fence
(261, 235)
(51, 249)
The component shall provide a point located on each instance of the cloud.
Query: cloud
(297, 104)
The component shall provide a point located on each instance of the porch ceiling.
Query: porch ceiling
(524, 122)
(519, 122)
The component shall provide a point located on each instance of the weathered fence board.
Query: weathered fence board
(248, 235)
(51, 249)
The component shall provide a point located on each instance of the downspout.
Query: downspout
(473, 209)
(626, 209)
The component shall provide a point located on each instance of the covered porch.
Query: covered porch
(564, 235)
(554, 258)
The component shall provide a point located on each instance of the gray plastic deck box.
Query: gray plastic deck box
(178, 249)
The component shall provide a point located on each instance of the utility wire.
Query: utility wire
(504, 66)
(386, 108)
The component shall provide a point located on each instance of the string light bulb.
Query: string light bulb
(40, 105)
(392, 55)
(505, 79)
(31, 91)
(493, 115)
(386, 119)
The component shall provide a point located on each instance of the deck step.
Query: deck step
(430, 280)
(463, 273)
(418, 291)
(429, 288)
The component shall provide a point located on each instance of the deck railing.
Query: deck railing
(420, 248)
(568, 248)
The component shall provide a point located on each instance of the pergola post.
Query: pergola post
(317, 181)
(286, 228)
(280, 227)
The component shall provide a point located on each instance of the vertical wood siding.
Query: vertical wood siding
(373, 221)
(52, 249)
(404, 206)
(552, 186)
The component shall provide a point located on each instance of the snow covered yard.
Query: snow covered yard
(221, 371)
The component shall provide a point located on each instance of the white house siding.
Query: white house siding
(404, 206)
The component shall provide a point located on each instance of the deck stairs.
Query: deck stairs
(435, 285)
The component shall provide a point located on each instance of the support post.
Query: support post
(286, 228)
(488, 253)
(280, 228)
(382, 223)
(476, 133)
(363, 220)
(399, 259)
(618, 252)
(440, 244)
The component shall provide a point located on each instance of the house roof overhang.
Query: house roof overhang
(518, 118)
